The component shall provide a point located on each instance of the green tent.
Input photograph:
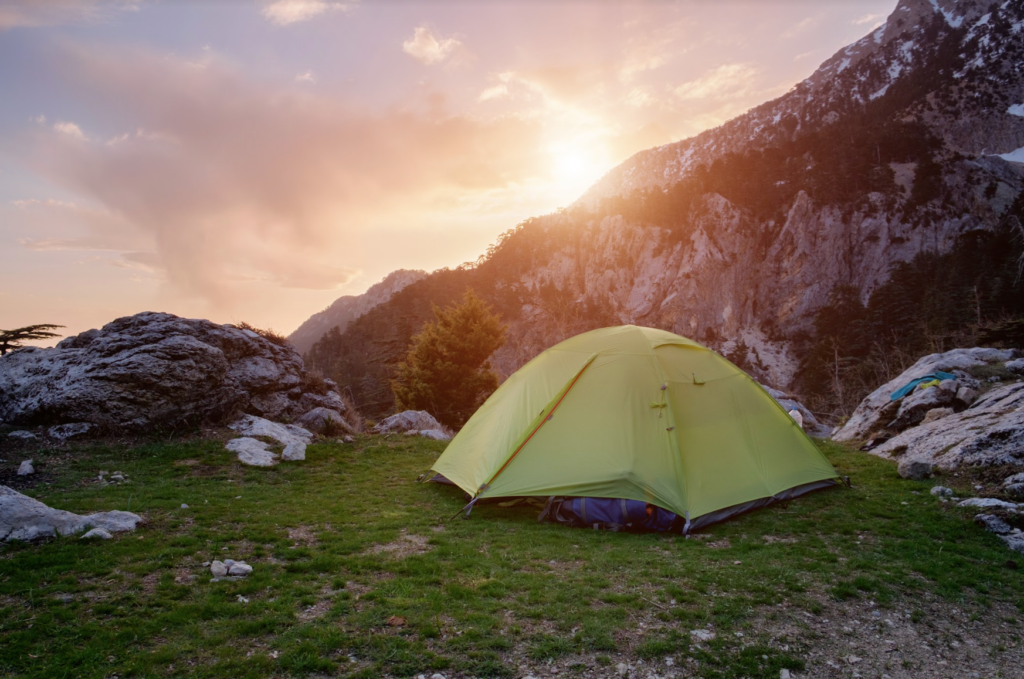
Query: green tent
(640, 414)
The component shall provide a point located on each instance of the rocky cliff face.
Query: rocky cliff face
(346, 309)
(158, 370)
(937, 96)
(896, 146)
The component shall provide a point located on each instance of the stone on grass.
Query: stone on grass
(1014, 485)
(987, 503)
(1016, 365)
(25, 518)
(184, 506)
(436, 434)
(97, 533)
(993, 524)
(292, 437)
(218, 569)
(239, 569)
(26, 468)
(252, 452)
(63, 432)
(250, 425)
(702, 635)
(294, 452)
(23, 435)
(942, 491)
(916, 470)
(407, 420)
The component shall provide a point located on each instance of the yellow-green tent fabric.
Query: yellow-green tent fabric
(635, 413)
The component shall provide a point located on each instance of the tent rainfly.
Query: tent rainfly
(639, 414)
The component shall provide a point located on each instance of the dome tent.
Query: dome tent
(638, 414)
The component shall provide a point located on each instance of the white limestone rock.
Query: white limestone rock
(22, 435)
(24, 518)
(990, 432)
(250, 425)
(435, 434)
(63, 432)
(987, 503)
(97, 533)
(26, 468)
(407, 420)
(219, 569)
(877, 410)
(252, 452)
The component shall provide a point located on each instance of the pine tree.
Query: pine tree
(446, 371)
(14, 339)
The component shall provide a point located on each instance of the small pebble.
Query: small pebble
(184, 506)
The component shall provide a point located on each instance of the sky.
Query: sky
(254, 160)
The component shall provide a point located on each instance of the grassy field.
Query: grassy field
(360, 572)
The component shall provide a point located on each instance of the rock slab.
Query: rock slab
(24, 518)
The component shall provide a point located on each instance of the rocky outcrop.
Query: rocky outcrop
(877, 411)
(346, 309)
(990, 432)
(24, 518)
(157, 370)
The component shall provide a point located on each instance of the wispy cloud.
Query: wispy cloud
(306, 77)
(285, 12)
(429, 49)
(726, 81)
(800, 27)
(868, 19)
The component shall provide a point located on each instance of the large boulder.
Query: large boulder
(877, 411)
(408, 420)
(158, 370)
(990, 432)
(24, 518)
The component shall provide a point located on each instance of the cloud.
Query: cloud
(230, 180)
(868, 19)
(426, 48)
(728, 81)
(285, 12)
(70, 129)
(800, 27)
(306, 77)
(498, 91)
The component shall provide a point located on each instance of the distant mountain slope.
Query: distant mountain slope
(346, 309)
(896, 146)
(952, 64)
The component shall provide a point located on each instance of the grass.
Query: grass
(359, 572)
